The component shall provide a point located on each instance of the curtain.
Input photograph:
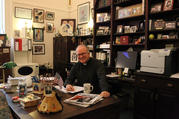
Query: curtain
(2, 17)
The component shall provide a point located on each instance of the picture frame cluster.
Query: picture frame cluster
(167, 5)
(37, 16)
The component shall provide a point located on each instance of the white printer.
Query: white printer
(160, 61)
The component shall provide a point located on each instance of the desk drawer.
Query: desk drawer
(147, 82)
(170, 85)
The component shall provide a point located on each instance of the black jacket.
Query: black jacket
(93, 72)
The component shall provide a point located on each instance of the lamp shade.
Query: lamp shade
(9, 65)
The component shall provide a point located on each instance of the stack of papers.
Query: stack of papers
(112, 75)
(76, 89)
(84, 100)
(175, 75)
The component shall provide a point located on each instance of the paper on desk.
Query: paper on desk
(112, 75)
(175, 75)
(76, 89)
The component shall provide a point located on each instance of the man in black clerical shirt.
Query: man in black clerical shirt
(88, 70)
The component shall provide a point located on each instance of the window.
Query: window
(2, 17)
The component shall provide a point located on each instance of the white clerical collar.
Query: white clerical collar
(84, 64)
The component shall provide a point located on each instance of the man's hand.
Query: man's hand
(69, 87)
(105, 94)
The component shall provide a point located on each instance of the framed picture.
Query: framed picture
(37, 88)
(156, 8)
(68, 26)
(168, 5)
(50, 15)
(133, 29)
(119, 28)
(73, 56)
(24, 13)
(49, 27)
(83, 13)
(38, 49)
(159, 24)
(38, 34)
(38, 15)
(48, 90)
(2, 40)
(170, 25)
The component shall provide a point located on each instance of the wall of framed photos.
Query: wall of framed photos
(63, 10)
(44, 23)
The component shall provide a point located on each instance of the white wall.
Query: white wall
(73, 8)
(62, 10)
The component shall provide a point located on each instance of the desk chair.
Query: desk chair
(5, 112)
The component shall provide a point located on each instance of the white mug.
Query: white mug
(87, 88)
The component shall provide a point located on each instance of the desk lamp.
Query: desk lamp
(7, 65)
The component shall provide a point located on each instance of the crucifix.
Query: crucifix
(69, 2)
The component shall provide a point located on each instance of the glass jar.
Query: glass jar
(22, 88)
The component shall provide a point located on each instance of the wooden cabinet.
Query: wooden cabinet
(156, 97)
(4, 57)
(61, 53)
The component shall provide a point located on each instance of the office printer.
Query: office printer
(160, 61)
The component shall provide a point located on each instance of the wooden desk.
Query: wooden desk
(106, 109)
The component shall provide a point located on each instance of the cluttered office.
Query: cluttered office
(89, 59)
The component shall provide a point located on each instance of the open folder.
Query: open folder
(76, 89)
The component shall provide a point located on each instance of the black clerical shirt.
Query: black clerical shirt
(92, 72)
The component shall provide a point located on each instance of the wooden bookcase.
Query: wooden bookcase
(138, 39)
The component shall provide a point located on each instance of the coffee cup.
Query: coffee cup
(88, 88)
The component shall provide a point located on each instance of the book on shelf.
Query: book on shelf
(84, 100)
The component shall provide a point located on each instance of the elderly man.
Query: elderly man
(88, 70)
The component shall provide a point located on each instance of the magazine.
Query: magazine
(84, 100)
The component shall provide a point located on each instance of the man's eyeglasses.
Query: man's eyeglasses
(82, 54)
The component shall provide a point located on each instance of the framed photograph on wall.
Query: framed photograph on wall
(38, 15)
(83, 13)
(50, 15)
(24, 13)
(168, 5)
(49, 27)
(38, 49)
(38, 34)
(68, 26)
